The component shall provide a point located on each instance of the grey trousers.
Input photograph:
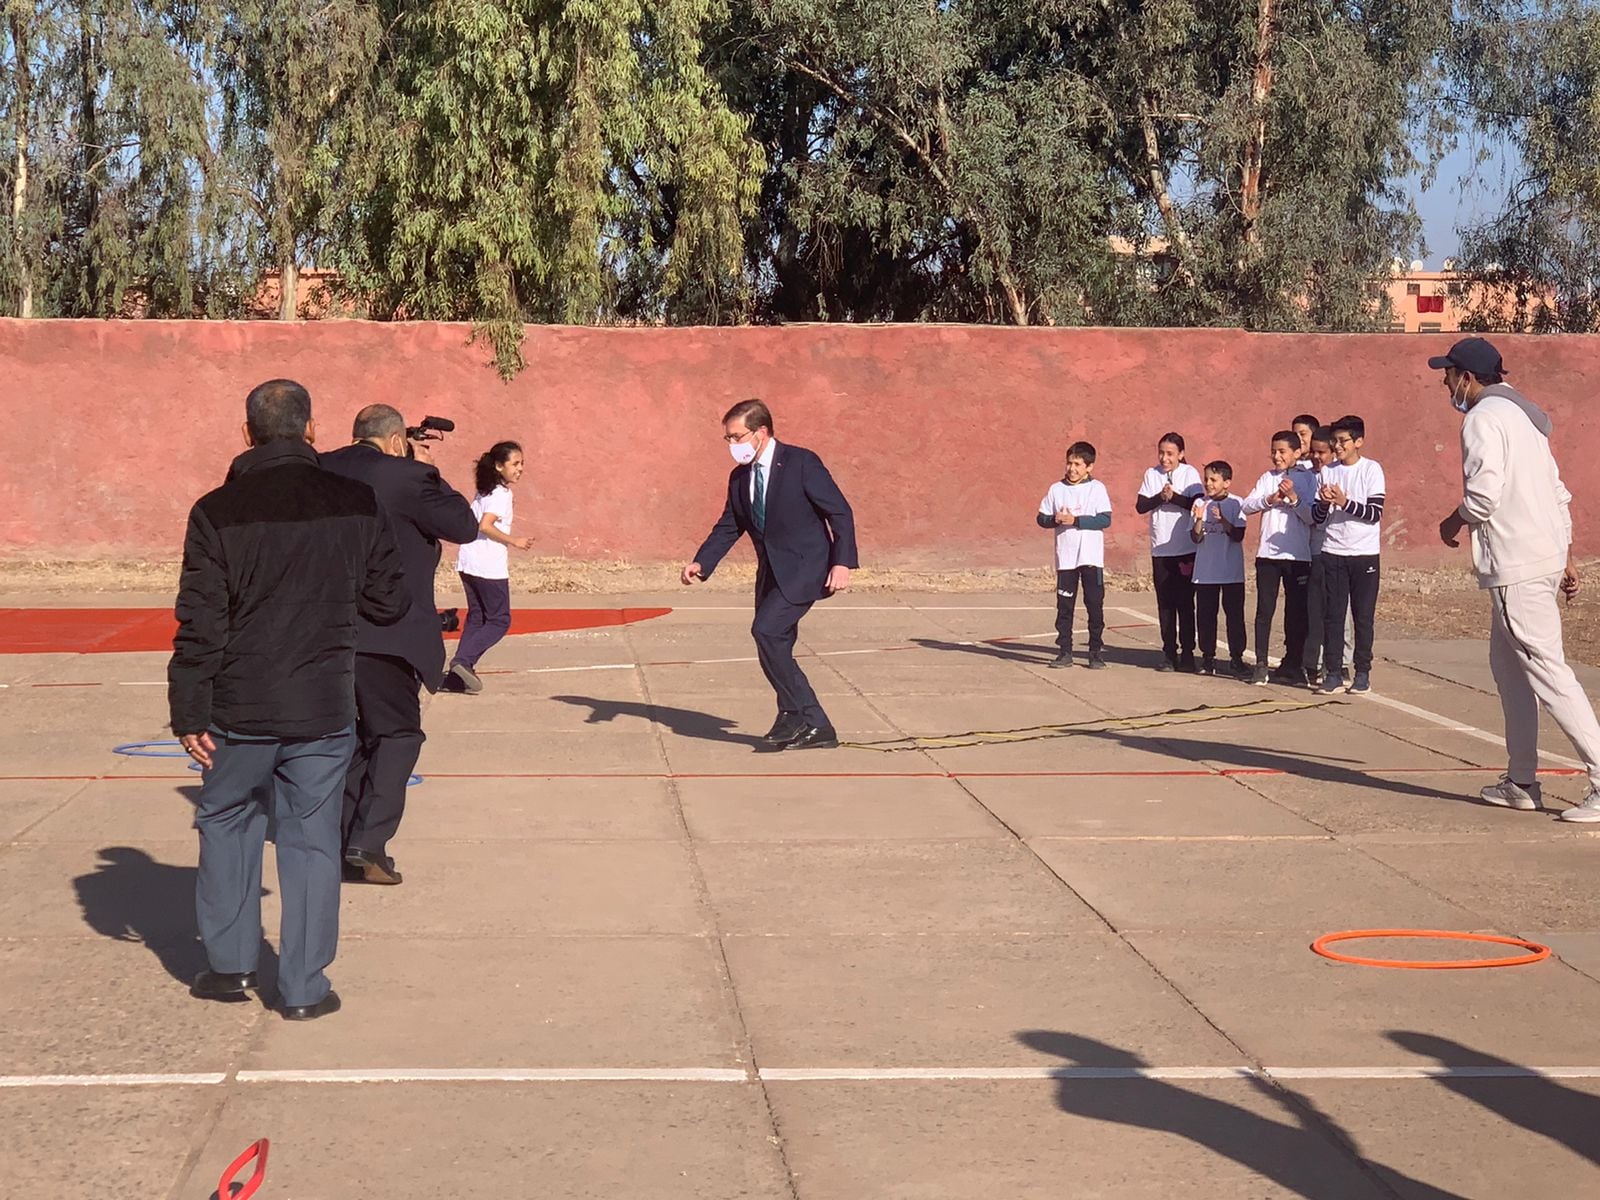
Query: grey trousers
(1530, 669)
(303, 782)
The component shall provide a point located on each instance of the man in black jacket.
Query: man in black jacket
(393, 660)
(805, 540)
(278, 564)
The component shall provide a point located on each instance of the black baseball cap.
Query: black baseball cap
(1474, 355)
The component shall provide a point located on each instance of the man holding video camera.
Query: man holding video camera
(393, 662)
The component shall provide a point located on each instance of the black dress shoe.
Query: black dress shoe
(310, 1012)
(814, 738)
(223, 985)
(374, 868)
(787, 727)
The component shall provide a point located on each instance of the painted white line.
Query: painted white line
(504, 1075)
(1454, 726)
(1422, 714)
(800, 1075)
(142, 683)
(885, 1074)
(750, 658)
(33, 1081)
(593, 667)
(1433, 1072)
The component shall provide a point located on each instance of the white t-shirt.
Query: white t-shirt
(1077, 547)
(1169, 527)
(1285, 529)
(1345, 534)
(1218, 559)
(483, 558)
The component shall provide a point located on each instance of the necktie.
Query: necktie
(760, 505)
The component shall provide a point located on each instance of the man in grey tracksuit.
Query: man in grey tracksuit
(1519, 513)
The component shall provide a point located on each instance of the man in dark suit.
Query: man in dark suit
(805, 540)
(393, 662)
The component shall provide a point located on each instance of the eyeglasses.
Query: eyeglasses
(732, 438)
(1344, 441)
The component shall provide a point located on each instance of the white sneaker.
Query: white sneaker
(1507, 794)
(1586, 810)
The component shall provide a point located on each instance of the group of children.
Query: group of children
(1320, 504)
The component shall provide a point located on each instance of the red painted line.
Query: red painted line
(124, 630)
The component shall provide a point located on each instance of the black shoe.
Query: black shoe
(1240, 668)
(310, 1012)
(467, 677)
(1096, 663)
(1187, 665)
(817, 737)
(373, 868)
(1289, 678)
(223, 985)
(787, 727)
(1167, 665)
(1208, 666)
(1064, 659)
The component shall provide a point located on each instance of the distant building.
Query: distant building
(1423, 301)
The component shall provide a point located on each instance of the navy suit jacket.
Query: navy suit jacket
(423, 510)
(809, 527)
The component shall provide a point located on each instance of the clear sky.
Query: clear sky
(1450, 203)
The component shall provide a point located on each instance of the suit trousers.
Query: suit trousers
(1174, 580)
(389, 738)
(299, 781)
(1294, 577)
(1530, 669)
(775, 630)
(1091, 581)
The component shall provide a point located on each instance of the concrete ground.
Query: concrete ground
(635, 957)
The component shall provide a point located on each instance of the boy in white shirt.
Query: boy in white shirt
(1349, 506)
(1218, 532)
(1284, 497)
(1078, 508)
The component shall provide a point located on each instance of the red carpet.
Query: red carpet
(120, 630)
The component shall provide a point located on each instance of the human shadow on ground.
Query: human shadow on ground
(1537, 1104)
(683, 722)
(1297, 1153)
(130, 897)
(1039, 654)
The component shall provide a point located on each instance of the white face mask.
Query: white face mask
(1458, 396)
(743, 453)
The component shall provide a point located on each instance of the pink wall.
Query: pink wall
(943, 437)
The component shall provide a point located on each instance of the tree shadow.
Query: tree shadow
(683, 722)
(1539, 1105)
(130, 897)
(1301, 1154)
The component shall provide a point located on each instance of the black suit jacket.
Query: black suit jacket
(422, 511)
(809, 527)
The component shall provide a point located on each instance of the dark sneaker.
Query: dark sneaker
(1361, 684)
(1167, 666)
(1332, 683)
(1259, 677)
(470, 683)
(1240, 668)
(1064, 659)
(1187, 665)
(1096, 663)
(1208, 666)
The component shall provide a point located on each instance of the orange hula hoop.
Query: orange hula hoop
(1536, 952)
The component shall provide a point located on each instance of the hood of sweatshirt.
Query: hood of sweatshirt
(1541, 419)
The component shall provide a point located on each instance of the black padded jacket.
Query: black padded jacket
(277, 564)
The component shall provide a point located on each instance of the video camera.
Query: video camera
(432, 429)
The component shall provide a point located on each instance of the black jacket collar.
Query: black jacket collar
(273, 454)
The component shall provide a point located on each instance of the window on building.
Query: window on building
(1413, 289)
(1430, 327)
